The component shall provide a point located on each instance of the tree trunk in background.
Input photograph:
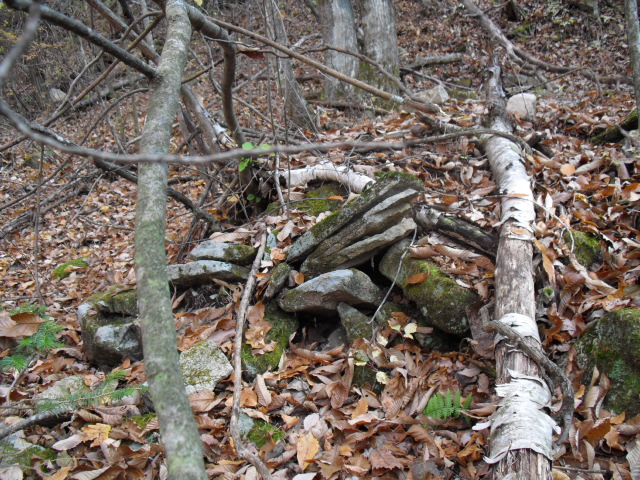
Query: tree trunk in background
(166, 383)
(633, 39)
(380, 43)
(338, 30)
(298, 111)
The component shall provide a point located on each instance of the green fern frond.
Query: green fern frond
(17, 362)
(443, 407)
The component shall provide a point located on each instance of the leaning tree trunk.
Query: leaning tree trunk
(299, 112)
(380, 44)
(166, 384)
(338, 30)
(633, 39)
(521, 431)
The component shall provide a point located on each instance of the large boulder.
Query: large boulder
(441, 300)
(612, 344)
(324, 293)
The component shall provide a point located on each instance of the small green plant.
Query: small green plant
(37, 344)
(444, 407)
(105, 392)
(246, 161)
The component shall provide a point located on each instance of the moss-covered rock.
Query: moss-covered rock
(279, 278)
(586, 247)
(67, 268)
(116, 300)
(612, 344)
(284, 325)
(441, 300)
(316, 201)
(237, 254)
(260, 432)
(203, 366)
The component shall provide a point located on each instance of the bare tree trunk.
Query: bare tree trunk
(177, 426)
(633, 39)
(299, 112)
(380, 43)
(338, 30)
(521, 431)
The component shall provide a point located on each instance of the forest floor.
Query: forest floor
(594, 189)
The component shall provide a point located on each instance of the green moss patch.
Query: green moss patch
(586, 246)
(284, 325)
(260, 432)
(67, 268)
(613, 345)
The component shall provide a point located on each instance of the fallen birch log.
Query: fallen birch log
(521, 430)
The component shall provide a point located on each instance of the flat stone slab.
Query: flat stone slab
(224, 252)
(203, 366)
(324, 293)
(389, 186)
(203, 271)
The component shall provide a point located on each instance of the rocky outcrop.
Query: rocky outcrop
(402, 187)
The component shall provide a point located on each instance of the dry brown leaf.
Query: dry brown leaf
(417, 278)
(25, 325)
(361, 408)
(306, 449)
(264, 396)
(567, 169)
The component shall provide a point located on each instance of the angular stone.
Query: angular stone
(437, 95)
(356, 323)
(224, 252)
(441, 300)
(203, 366)
(108, 338)
(203, 271)
(388, 186)
(323, 294)
(522, 105)
(279, 278)
(339, 253)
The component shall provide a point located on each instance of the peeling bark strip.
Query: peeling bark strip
(166, 383)
(521, 431)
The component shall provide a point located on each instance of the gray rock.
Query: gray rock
(279, 278)
(323, 294)
(57, 95)
(203, 271)
(356, 323)
(340, 221)
(224, 252)
(203, 366)
(441, 300)
(612, 345)
(354, 247)
(108, 338)
(437, 95)
(523, 105)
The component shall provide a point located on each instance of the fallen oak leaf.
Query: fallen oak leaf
(417, 278)
(306, 449)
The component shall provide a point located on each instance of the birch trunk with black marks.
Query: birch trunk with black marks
(166, 383)
(521, 430)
